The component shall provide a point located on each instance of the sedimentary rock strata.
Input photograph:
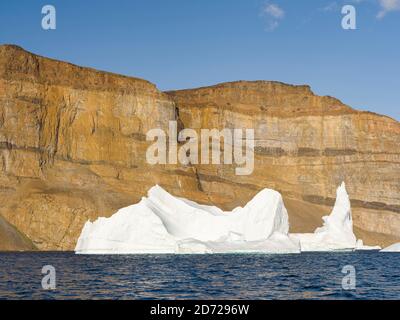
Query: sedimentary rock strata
(73, 145)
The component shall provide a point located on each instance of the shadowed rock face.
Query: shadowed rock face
(12, 240)
(73, 145)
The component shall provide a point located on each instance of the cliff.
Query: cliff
(305, 145)
(73, 145)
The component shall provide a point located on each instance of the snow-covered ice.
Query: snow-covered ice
(360, 246)
(393, 248)
(162, 223)
(336, 233)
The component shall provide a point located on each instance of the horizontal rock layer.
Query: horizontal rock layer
(73, 145)
(304, 146)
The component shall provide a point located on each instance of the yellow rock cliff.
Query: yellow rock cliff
(73, 145)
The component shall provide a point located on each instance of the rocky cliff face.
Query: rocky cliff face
(305, 146)
(73, 145)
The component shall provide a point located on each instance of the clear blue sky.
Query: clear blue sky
(189, 43)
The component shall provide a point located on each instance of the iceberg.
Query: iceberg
(162, 223)
(360, 246)
(393, 248)
(336, 233)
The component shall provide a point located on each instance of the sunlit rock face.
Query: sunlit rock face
(162, 223)
(305, 146)
(73, 145)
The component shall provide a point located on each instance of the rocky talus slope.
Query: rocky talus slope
(73, 145)
(12, 240)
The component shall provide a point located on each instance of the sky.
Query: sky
(179, 44)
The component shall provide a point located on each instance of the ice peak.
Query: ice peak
(341, 190)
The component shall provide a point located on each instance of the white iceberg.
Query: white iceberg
(360, 246)
(336, 233)
(162, 223)
(393, 248)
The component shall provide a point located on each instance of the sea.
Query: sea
(64, 275)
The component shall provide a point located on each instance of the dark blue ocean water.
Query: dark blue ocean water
(300, 276)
